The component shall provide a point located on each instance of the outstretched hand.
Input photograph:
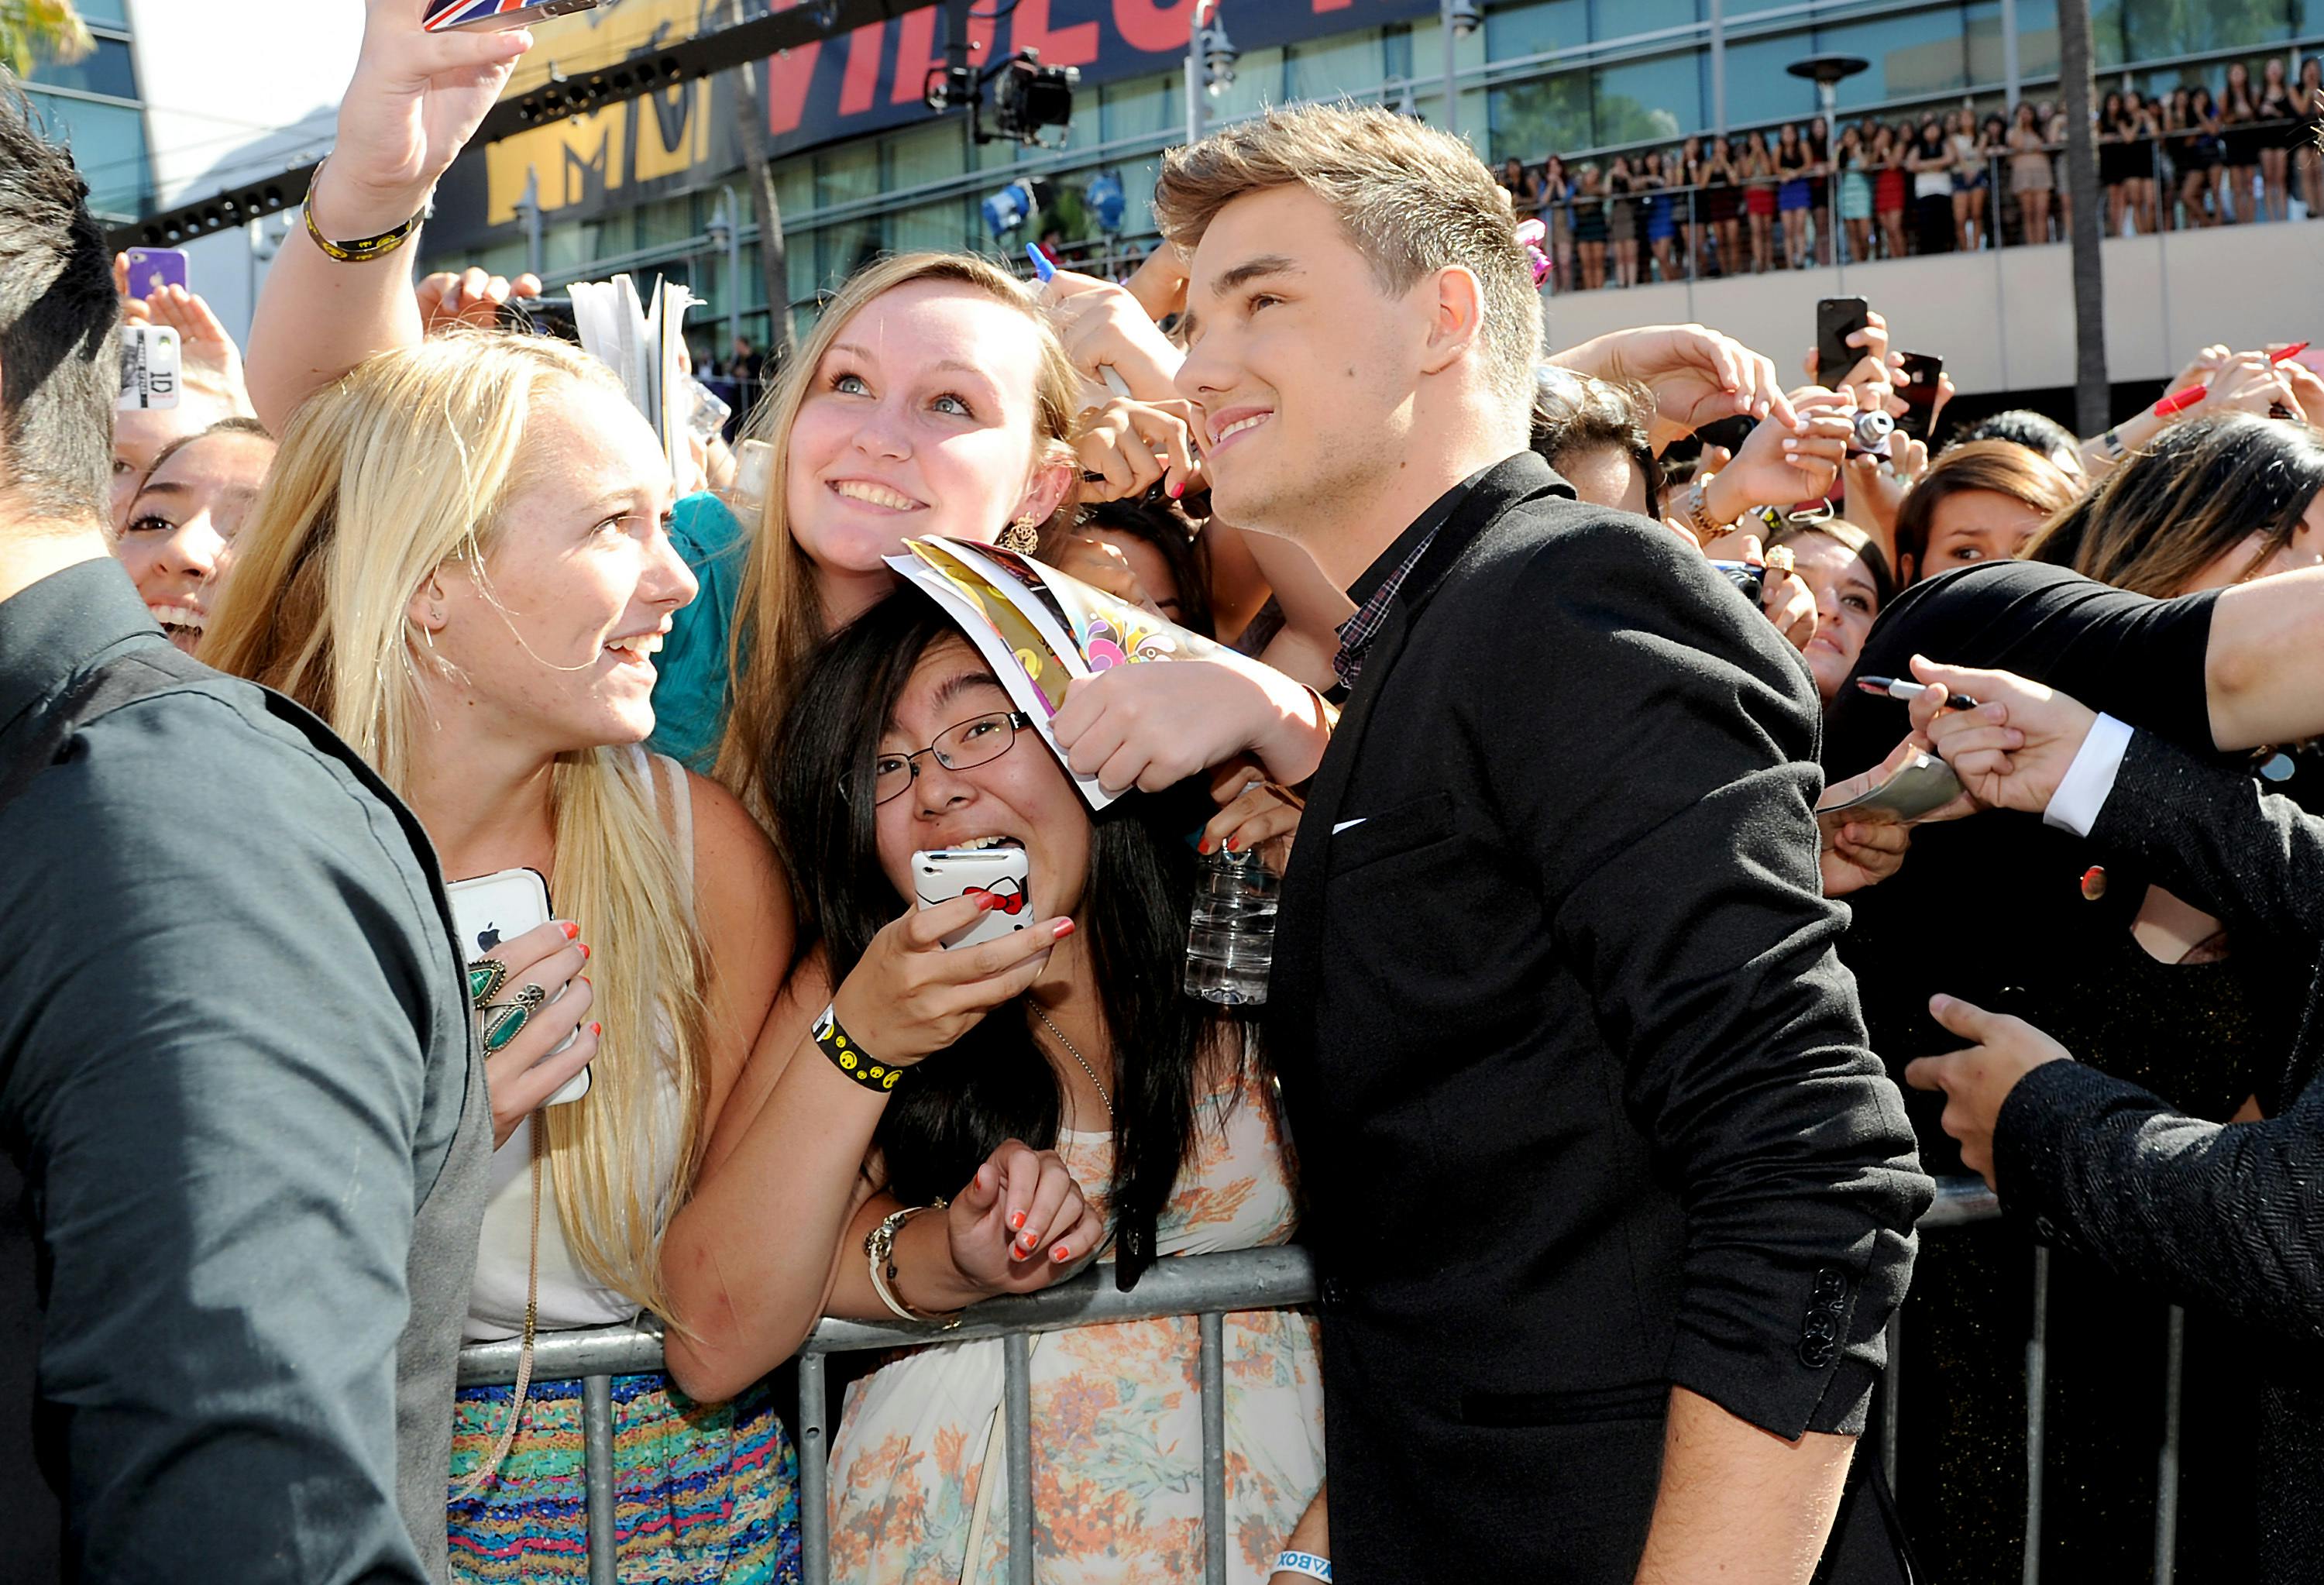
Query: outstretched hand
(209, 356)
(2014, 749)
(1978, 1080)
(470, 297)
(1696, 374)
(416, 99)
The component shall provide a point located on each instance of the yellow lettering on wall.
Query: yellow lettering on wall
(576, 159)
(672, 131)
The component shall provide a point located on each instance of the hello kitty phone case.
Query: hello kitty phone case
(942, 874)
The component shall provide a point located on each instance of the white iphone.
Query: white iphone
(491, 908)
(942, 874)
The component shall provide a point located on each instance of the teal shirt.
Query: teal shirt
(689, 696)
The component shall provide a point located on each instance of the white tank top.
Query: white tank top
(569, 1297)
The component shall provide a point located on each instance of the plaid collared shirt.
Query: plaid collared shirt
(1357, 633)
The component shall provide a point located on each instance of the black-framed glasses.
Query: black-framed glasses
(958, 747)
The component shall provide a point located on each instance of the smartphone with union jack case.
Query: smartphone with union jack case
(496, 15)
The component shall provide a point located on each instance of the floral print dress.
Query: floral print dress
(918, 1496)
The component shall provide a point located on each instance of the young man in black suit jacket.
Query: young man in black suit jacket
(1610, 1200)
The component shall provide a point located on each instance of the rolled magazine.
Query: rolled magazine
(1039, 628)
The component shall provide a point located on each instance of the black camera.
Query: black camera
(1752, 580)
(1030, 96)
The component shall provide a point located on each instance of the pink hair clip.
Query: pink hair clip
(1530, 233)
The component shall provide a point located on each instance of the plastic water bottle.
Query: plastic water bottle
(1231, 940)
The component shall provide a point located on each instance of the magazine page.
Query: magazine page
(1104, 630)
(1015, 578)
(1028, 668)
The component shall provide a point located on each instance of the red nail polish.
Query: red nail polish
(1230, 844)
(585, 952)
(1176, 491)
(1064, 929)
(572, 931)
(1203, 846)
(1060, 1254)
(1016, 1219)
(597, 1028)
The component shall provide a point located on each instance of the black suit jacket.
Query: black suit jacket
(2228, 1218)
(1580, 1092)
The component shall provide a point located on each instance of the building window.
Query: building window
(1655, 100)
(1520, 31)
(106, 70)
(1549, 116)
(108, 145)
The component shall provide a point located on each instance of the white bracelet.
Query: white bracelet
(1304, 1562)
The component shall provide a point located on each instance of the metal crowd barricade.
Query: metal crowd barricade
(1208, 1288)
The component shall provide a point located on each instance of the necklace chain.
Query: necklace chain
(1075, 1052)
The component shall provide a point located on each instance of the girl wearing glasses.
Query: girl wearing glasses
(1079, 1041)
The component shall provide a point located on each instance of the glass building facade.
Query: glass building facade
(93, 106)
(1576, 77)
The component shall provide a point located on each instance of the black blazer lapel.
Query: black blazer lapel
(1299, 941)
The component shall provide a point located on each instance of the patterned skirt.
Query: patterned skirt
(704, 1493)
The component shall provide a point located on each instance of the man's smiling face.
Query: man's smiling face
(1303, 368)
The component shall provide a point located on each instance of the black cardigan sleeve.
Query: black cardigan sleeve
(1659, 774)
(2228, 1216)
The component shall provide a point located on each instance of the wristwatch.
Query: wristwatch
(1698, 509)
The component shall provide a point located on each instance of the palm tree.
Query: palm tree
(35, 31)
(774, 257)
(2092, 402)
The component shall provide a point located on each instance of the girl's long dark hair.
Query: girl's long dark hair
(994, 1083)
(2194, 493)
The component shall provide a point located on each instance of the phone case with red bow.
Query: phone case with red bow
(942, 874)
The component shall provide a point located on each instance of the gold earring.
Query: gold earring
(1019, 536)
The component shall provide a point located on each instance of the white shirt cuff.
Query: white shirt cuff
(2088, 780)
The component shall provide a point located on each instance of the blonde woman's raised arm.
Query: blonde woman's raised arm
(415, 100)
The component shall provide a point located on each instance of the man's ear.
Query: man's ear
(1904, 569)
(1454, 300)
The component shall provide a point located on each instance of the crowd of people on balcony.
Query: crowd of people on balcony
(1943, 182)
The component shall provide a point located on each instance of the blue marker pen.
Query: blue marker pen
(1042, 270)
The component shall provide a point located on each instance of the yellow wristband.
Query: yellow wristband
(361, 251)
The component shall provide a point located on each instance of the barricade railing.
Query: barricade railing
(1208, 1288)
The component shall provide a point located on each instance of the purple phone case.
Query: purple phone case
(152, 269)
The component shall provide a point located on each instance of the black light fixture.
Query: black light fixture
(1028, 96)
(1219, 58)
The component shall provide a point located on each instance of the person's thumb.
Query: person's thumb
(1957, 679)
(1964, 1018)
(984, 1191)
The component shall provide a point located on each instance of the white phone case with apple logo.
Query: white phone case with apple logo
(490, 909)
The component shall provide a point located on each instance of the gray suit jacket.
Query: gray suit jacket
(237, 1079)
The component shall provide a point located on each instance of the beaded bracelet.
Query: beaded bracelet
(850, 1058)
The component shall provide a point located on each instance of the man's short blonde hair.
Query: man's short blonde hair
(1411, 198)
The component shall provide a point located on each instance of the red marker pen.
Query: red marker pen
(2180, 400)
